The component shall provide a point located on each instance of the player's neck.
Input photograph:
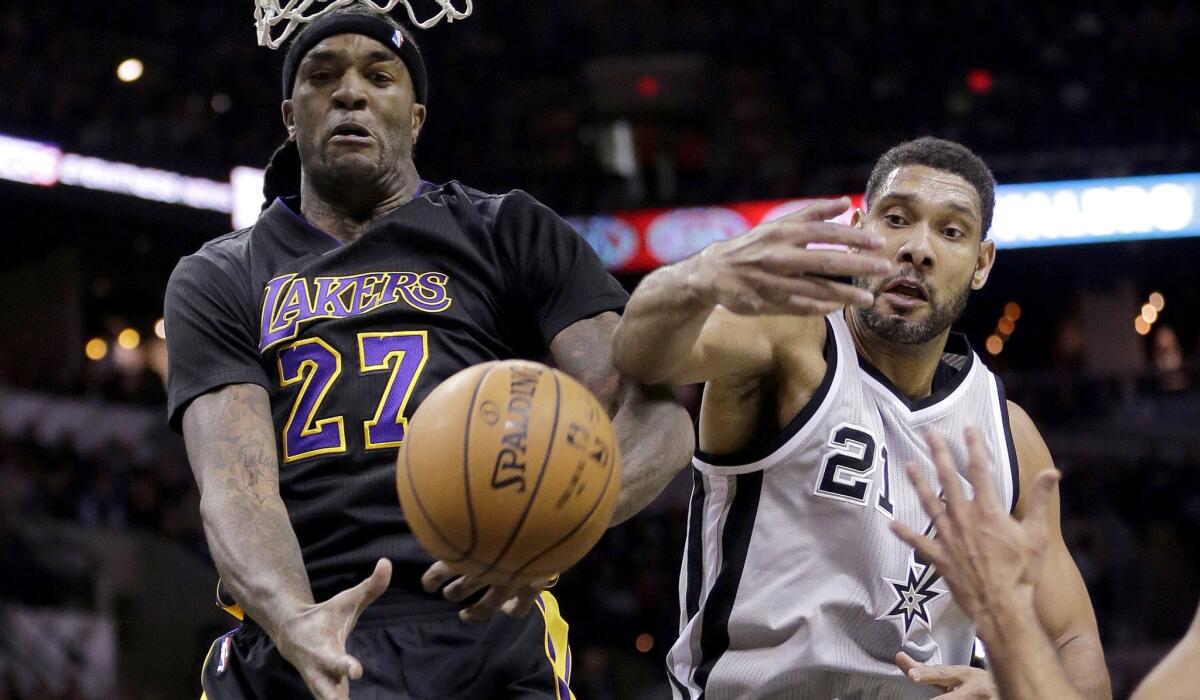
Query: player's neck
(344, 218)
(911, 368)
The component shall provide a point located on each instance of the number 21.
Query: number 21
(316, 365)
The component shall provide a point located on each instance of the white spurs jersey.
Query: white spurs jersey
(792, 584)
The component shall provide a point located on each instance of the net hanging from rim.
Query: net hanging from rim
(276, 23)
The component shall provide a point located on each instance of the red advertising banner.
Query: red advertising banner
(643, 239)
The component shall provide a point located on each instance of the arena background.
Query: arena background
(130, 133)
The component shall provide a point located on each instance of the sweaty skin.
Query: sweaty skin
(745, 317)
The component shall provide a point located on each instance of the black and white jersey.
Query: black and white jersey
(793, 585)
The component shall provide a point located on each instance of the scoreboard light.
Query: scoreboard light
(1096, 211)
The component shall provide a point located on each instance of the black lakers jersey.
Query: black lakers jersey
(348, 339)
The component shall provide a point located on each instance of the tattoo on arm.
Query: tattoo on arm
(654, 432)
(231, 445)
(584, 351)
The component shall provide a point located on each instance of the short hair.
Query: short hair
(938, 154)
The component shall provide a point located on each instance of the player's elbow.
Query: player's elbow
(1082, 656)
(634, 357)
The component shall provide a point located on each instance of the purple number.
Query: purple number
(403, 353)
(317, 365)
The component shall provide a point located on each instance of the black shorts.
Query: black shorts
(431, 656)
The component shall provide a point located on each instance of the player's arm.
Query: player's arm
(1178, 675)
(231, 446)
(699, 319)
(997, 567)
(654, 432)
(1023, 659)
(1060, 598)
(216, 396)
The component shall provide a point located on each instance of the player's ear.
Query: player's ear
(418, 121)
(983, 264)
(289, 117)
(858, 218)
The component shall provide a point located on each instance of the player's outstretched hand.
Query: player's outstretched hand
(771, 270)
(314, 641)
(958, 682)
(513, 598)
(980, 550)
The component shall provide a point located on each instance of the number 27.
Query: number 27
(316, 365)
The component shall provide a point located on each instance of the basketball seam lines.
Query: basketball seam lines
(417, 497)
(538, 484)
(474, 540)
(582, 522)
(464, 555)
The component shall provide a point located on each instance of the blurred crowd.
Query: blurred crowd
(796, 97)
(108, 488)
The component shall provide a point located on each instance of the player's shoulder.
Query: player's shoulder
(220, 266)
(1024, 431)
(488, 204)
(233, 252)
(228, 253)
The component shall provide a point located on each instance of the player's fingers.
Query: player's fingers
(906, 663)
(803, 234)
(927, 547)
(437, 575)
(1039, 500)
(792, 259)
(338, 664)
(323, 685)
(840, 292)
(462, 588)
(519, 606)
(807, 307)
(948, 677)
(820, 210)
(977, 470)
(784, 288)
(370, 589)
(929, 501)
(943, 461)
(823, 261)
(353, 667)
(486, 607)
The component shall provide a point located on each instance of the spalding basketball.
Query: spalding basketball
(509, 469)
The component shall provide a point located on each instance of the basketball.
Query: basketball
(510, 469)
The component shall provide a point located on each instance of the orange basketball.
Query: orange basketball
(509, 469)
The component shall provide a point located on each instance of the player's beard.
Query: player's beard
(903, 331)
(355, 182)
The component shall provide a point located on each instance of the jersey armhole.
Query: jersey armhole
(764, 455)
(1010, 446)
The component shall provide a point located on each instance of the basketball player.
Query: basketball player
(299, 346)
(993, 564)
(817, 394)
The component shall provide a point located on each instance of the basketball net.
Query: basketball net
(269, 17)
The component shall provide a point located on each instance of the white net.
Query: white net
(275, 23)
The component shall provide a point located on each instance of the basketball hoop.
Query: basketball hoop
(269, 16)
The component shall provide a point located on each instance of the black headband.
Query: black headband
(373, 26)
